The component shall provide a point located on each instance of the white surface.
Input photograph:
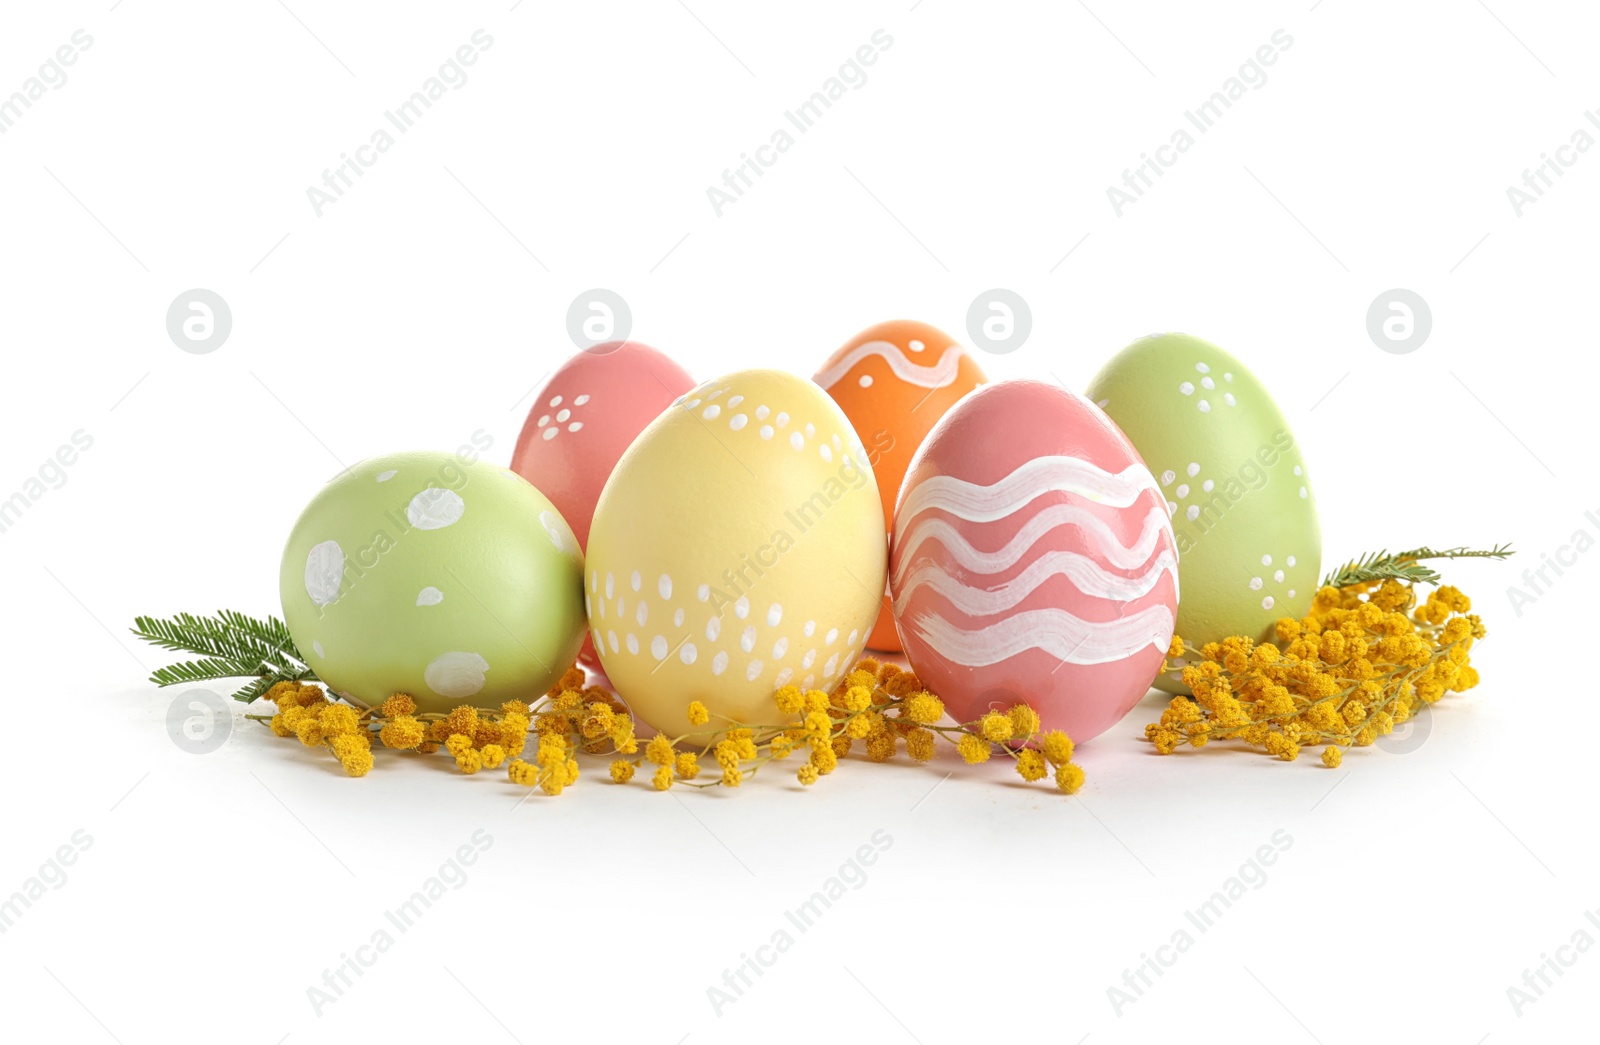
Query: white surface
(413, 313)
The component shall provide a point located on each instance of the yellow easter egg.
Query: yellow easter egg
(737, 547)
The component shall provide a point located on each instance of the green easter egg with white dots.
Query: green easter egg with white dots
(450, 579)
(1243, 512)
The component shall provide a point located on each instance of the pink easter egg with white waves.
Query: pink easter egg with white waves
(1033, 560)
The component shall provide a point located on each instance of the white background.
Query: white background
(421, 306)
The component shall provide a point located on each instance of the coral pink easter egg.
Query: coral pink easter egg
(894, 381)
(582, 420)
(1033, 560)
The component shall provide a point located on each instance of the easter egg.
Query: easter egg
(1033, 560)
(585, 416)
(894, 381)
(436, 575)
(738, 547)
(1230, 471)
(582, 420)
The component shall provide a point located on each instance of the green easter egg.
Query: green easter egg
(431, 574)
(1243, 512)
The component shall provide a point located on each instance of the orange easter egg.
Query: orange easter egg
(894, 381)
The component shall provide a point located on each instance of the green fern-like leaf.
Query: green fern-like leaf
(230, 645)
(1406, 566)
(206, 670)
(258, 689)
(228, 635)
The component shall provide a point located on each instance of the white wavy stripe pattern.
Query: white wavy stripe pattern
(1125, 557)
(937, 376)
(1086, 575)
(1050, 474)
(1054, 631)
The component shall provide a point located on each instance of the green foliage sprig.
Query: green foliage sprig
(1407, 565)
(231, 645)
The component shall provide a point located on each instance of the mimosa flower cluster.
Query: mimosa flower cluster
(880, 707)
(1367, 657)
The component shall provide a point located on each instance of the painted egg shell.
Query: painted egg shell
(1249, 545)
(582, 420)
(585, 416)
(431, 574)
(1033, 560)
(737, 548)
(894, 381)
